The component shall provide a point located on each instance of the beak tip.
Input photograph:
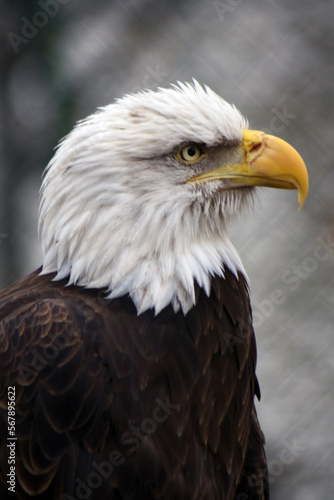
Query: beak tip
(301, 199)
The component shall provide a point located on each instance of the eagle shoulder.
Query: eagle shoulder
(62, 385)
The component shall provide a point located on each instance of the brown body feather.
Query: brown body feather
(111, 405)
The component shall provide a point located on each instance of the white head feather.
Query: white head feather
(116, 211)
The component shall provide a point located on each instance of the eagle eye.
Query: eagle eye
(190, 153)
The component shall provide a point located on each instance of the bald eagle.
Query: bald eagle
(128, 359)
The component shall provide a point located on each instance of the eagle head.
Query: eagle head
(138, 197)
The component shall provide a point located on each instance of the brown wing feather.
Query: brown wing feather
(114, 405)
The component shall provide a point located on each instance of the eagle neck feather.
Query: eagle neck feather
(155, 260)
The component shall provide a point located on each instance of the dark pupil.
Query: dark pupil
(191, 151)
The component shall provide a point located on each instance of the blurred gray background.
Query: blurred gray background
(60, 59)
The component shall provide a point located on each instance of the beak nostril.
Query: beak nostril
(255, 147)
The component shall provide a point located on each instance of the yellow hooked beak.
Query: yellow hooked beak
(268, 161)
